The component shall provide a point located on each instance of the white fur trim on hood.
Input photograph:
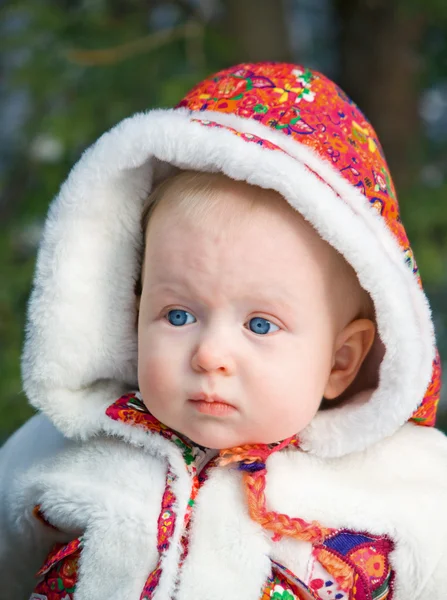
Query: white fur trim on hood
(81, 347)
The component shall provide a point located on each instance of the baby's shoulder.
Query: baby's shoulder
(397, 489)
(412, 454)
(397, 485)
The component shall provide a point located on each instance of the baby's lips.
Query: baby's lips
(211, 398)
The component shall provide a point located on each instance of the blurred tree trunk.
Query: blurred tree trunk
(380, 70)
(258, 28)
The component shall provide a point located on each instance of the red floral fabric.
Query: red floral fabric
(59, 574)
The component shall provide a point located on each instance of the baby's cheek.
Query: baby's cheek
(155, 377)
(289, 402)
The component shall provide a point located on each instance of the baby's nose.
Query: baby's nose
(212, 356)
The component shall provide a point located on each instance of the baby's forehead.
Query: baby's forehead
(242, 217)
(219, 203)
(224, 205)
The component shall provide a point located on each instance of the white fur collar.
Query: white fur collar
(113, 492)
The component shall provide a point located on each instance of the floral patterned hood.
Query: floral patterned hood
(274, 125)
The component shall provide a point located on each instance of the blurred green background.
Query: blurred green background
(70, 69)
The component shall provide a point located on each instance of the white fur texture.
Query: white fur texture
(24, 541)
(112, 491)
(397, 488)
(80, 351)
(228, 552)
(106, 490)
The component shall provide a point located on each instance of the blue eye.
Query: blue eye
(178, 317)
(262, 326)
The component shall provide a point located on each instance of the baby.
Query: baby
(246, 314)
(252, 418)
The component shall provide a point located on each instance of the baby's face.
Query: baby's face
(236, 333)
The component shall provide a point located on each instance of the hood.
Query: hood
(274, 125)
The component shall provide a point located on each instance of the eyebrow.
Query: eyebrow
(275, 297)
(169, 288)
(274, 301)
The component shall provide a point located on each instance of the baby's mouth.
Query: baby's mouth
(211, 404)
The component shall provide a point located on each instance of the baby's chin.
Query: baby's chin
(219, 438)
(221, 433)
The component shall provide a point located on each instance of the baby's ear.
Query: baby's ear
(351, 348)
